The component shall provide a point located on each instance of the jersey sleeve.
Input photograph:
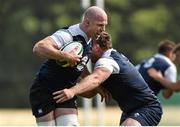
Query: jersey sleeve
(61, 37)
(137, 66)
(171, 74)
(109, 64)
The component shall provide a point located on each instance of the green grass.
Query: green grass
(173, 100)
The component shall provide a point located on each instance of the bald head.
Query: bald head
(95, 12)
(94, 21)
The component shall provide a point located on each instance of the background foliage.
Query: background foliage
(136, 26)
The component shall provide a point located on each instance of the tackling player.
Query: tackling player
(114, 72)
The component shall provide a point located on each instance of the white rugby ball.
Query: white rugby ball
(74, 45)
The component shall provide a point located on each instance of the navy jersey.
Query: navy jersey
(125, 83)
(53, 74)
(160, 63)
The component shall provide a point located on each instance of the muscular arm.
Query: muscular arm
(88, 94)
(89, 83)
(47, 48)
(92, 81)
(105, 94)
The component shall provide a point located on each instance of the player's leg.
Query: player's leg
(46, 120)
(66, 117)
(132, 119)
(145, 116)
(42, 104)
(130, 122)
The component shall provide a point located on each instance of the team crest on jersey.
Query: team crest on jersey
(136, 114)
(40, 111)
(82, 64)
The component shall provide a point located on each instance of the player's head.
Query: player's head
(176, 51)
(166, 48)
(94, 21)
(100, 45)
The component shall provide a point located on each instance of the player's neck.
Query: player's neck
(84, 29)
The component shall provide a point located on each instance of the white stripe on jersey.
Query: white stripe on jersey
(63, 36)
(170, 73)
(107, 62)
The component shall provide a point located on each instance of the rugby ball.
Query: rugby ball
(75, 46)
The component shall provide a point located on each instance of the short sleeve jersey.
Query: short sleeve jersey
(125, 83)
(160, 63)
(53, 74)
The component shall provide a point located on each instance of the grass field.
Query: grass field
(110, 117)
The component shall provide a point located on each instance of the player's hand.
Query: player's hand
(63, 95)
(72, 58)
(105, 94)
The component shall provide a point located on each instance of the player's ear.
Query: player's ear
(95, 45)
(87, 22)
(98, 46)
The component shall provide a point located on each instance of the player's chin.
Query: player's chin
(96, 35)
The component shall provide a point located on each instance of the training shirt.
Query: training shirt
(160, 63)
(125, 83)
(53, 74)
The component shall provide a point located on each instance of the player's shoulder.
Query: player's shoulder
(162, 58)
(76, 31)
(108, 53)
(173, 68)
(107, 59)
(64, 33)
(71, 30)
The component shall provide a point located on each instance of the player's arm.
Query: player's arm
(47, 48)
(172, 86)
(89, 83)
(105, 94)
(167, 93)
(85, 73)
(88, 94)
(166, 83)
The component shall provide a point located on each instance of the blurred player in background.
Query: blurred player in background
(157, 75)
(163, 62)
(114, 72)
(52, 76)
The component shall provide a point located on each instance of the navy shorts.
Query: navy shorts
(146, 116)
(42, 102)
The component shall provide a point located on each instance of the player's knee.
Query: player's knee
(130, 122)
(46, 123)
(46, 120)
(67, 120)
